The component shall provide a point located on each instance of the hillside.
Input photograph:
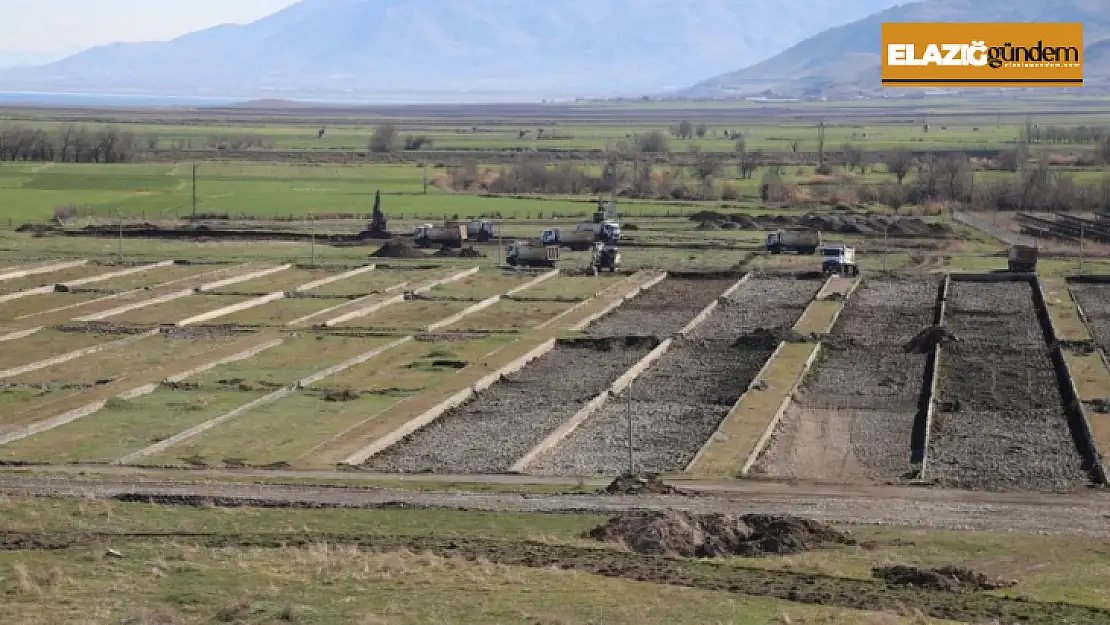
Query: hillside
(846, 59)
(375, 47)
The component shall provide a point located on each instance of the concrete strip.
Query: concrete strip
(330, 279)
(423, 419)
(39, 290)
(821, 314)
(234, 308)
(208, 366)
(346, 304)
(161, 446)
(31, 271)
(119, 310)
(86, 351)
(577, 419)
(767, 433)
(847, 296)
(469, 310)
(531, 283)
(347, 364)
(49, 424)
(427, 286)
(19, 334)
(708, 310)
(212, 286)
(582, 325)
(932, 370)
(116, 274)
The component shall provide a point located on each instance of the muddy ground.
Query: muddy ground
(490, 433)
(761, 302)
(1000, 422)
(853, 418)
(1094, 299)
(663, 309)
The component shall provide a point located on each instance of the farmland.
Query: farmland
(295, 363)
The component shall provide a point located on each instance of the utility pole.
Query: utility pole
(631, 465)
(312, 218)
(425, 177)
(119, 216)
(194, 190)
(1082, 235)
(885, 230)
(499, 251)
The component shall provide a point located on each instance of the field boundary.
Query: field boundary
(336, 278)
(927, 405)
(639, 275)
(783, 407)
(459, 398)
(708, 310)
(51, 288)
(424, 287)
(581, 325)
(19, 334)
(261, 273)
(320, 313)
(32, 271)
(75, 354)
(1078, 421)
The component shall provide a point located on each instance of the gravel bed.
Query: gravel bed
(1000, 422)
(853, 418)
(663, 309)
(677, 404)
(759, 303)
(490, 433)
(1095, 301)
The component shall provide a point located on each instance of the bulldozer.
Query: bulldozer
(525, 254)
(1022, 259)
(605, 256)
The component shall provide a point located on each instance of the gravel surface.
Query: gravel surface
(663, 309)
(1095, 301)
(852, 420)
(677, 404)
(1000, 422)
(766, 302)
(490, 433)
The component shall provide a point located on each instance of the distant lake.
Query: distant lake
(39, 98)
(109, 99)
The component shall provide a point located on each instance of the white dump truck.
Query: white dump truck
(840, 259)
(802, 242)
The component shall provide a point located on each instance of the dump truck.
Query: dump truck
(480, 230)
(605, 256)
(429, 235)
(800, 241)
(839, 259)
(525, 254)
(1022, 259)
(585, 234)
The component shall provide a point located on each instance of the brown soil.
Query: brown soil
(648, 484)
(767, 338)
(926, 340)
(102, 327)
(948, 578)
(398, 249)
(677, 533)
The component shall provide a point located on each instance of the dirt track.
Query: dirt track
(1080, 514)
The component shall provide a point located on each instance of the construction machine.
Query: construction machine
(605, 256)
(839, 259)
(1022, 259)
(525, 254)
(429, 235)
(802, 242)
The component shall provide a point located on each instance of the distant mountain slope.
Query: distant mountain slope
(375, 46)
(846, 58)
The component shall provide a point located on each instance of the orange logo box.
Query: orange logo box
(1023, 54)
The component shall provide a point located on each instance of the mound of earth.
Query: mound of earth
(948, 578)
(470, 252)
(926, 340)
(648, 484)
(683, 534)
(767, 338)
(398, 249)
(446, 252)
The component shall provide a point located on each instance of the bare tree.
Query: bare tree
(854, 157)
(701, 131)
(898, 164)
(706, 166)
(384, 138)
(654, 142)
(685, 130)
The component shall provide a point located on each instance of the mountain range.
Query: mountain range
(371, 48)
(845, 59)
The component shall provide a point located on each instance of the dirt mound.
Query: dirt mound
(948, 578)
(648, 484)
(767, 338)
(470, 252)
(707, 225)
(398, 249)
(927, 339)
(446, 252)
(678, 533)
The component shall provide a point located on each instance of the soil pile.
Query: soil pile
(678, 533)
(446, 252)
(398, 249)
(470, 252)
(648, 484)
(926, 340)
(767, 338)
(948, 578)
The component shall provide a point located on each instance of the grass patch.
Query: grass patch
(1062, 311)
(510, 315)
(280, 313)
(376, 280)
(285, 280)
(296, 358)
(36, 304)
(46, 344)
(411, 367)
(151, 277)
(741, 429)
(484, 284)
(178, 309)
(412, 315)
(37, 280)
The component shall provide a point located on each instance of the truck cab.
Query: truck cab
(421, 233)
(839, 259)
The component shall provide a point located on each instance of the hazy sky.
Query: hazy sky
(71, 25)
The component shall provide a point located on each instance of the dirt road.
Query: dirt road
(1082, 514)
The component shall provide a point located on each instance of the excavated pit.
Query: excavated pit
(492, 431)
(663, 309)
(1000, 422)
(679, 402)
(853, 418)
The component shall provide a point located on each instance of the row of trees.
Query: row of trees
(71, 144)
